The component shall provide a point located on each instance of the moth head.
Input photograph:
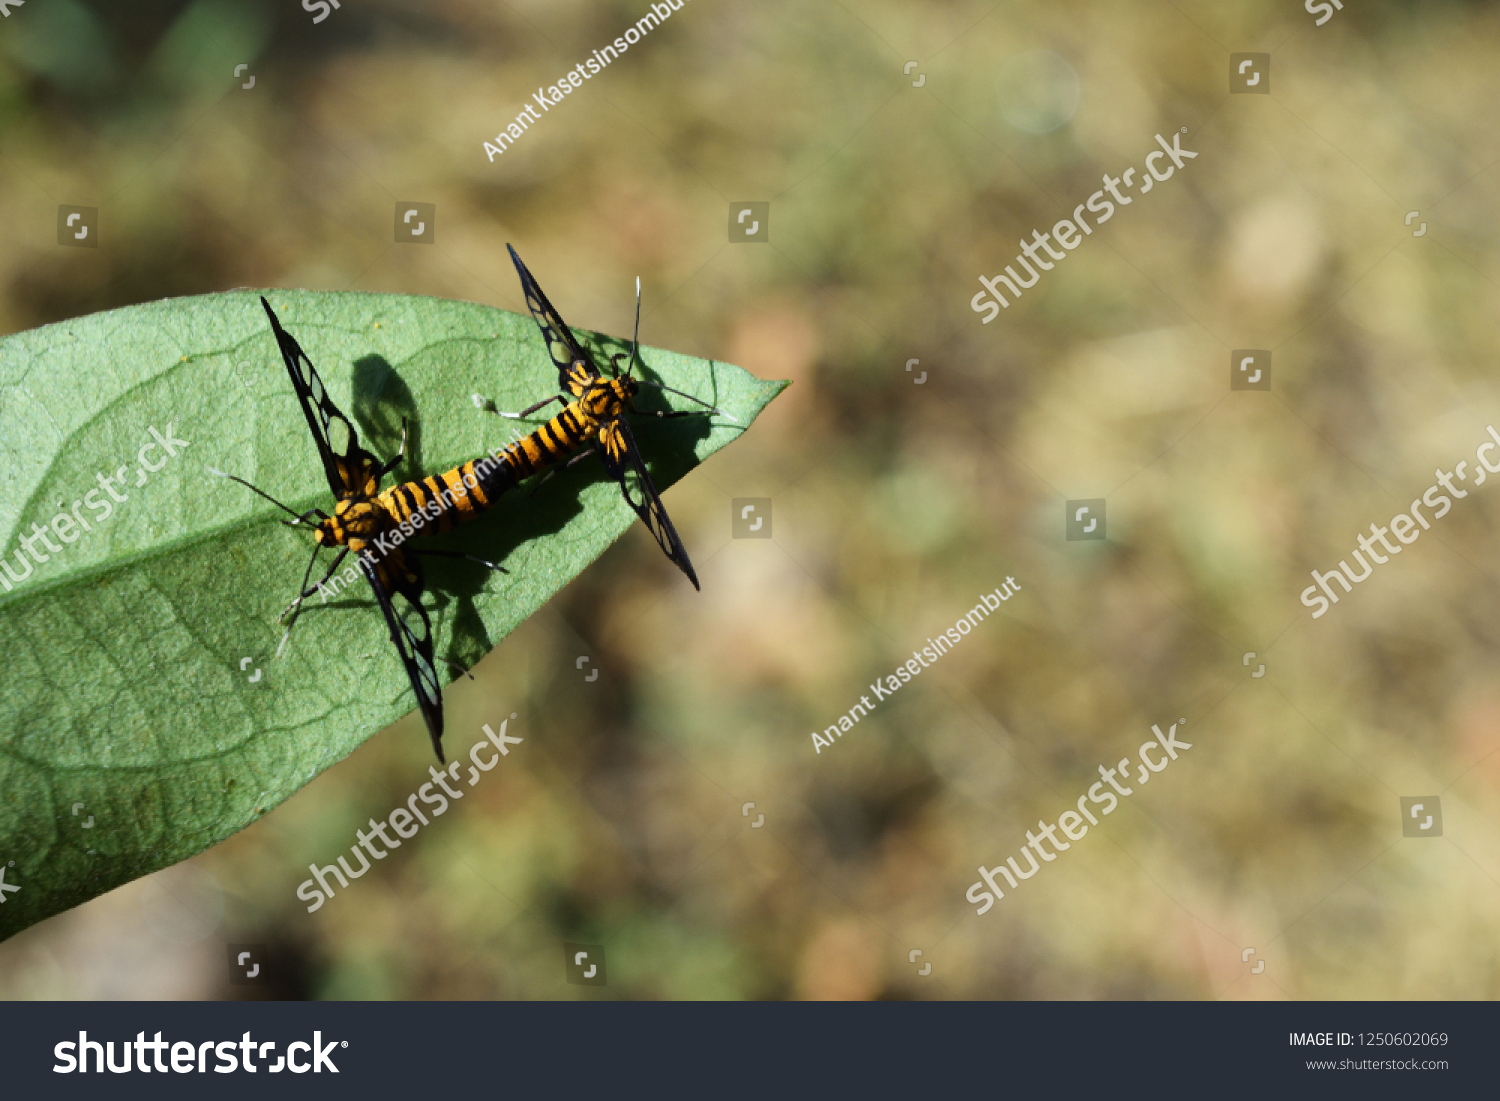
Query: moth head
(330, 532)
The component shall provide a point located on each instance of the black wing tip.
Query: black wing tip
(432, 712)
(282, 336)
(431, 706)
(432, 716)
(678, 556)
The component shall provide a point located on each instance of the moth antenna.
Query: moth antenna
(262, 492)
(634, 338)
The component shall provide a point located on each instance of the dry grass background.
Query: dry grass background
(618, 821)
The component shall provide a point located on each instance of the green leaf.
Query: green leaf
(123, 694)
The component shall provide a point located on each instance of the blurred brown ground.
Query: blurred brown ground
(619, 821)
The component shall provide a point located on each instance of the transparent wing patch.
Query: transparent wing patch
(346, 464)
(623, 461)
(403, 617)
(561, 345)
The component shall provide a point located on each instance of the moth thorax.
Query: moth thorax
(357, 518)
(605, 400)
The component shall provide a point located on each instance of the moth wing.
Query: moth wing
(561, 344)
(347, 465)
(623, 461)
(415, 650)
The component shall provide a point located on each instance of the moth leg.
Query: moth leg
(574, 461)
(489, 406)
(460, 554)
(578, 458)
(309, 592)
(400, 454)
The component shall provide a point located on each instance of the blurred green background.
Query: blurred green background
(619, 820)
